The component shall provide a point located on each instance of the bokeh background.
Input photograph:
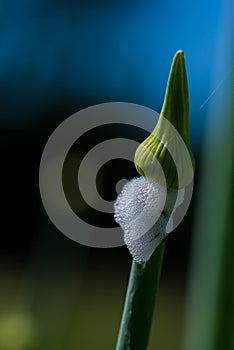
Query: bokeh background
(56, 58)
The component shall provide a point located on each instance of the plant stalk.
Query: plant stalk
(210, 315)
(139, 303)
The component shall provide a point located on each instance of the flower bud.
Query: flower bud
(165, 154)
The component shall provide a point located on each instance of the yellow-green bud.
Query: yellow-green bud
(168, 144)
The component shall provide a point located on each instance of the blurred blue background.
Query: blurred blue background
(103, 51)
(57, 57)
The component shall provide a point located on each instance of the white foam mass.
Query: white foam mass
(144, 209)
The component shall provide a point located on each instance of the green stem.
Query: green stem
(210, 315)
(139, 303)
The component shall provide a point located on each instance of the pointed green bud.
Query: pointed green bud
(165, 154)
